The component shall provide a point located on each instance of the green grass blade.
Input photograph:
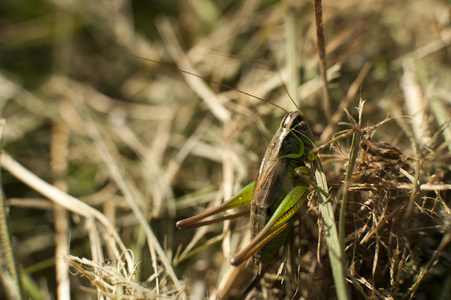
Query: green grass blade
(352, 160)
(336, 250)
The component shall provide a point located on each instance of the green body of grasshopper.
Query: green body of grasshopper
(275, 196)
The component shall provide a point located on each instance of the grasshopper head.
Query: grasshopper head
(298, 140)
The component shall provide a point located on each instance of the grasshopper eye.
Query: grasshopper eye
(303, 126)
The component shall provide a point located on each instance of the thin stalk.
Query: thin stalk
(5, 241)
(322, 55)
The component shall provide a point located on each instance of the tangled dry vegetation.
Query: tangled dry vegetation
(134, 146)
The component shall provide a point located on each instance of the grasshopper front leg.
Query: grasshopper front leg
(240, 199)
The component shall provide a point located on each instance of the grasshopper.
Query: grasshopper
(276, 196)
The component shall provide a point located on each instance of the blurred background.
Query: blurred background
(144, 143)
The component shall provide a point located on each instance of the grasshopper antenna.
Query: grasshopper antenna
(214, 82)
(282, 82)
(288, 93)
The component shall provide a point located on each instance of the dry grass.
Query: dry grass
(140, 145)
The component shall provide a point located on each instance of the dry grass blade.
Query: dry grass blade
(59, 164)
(109, 280)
